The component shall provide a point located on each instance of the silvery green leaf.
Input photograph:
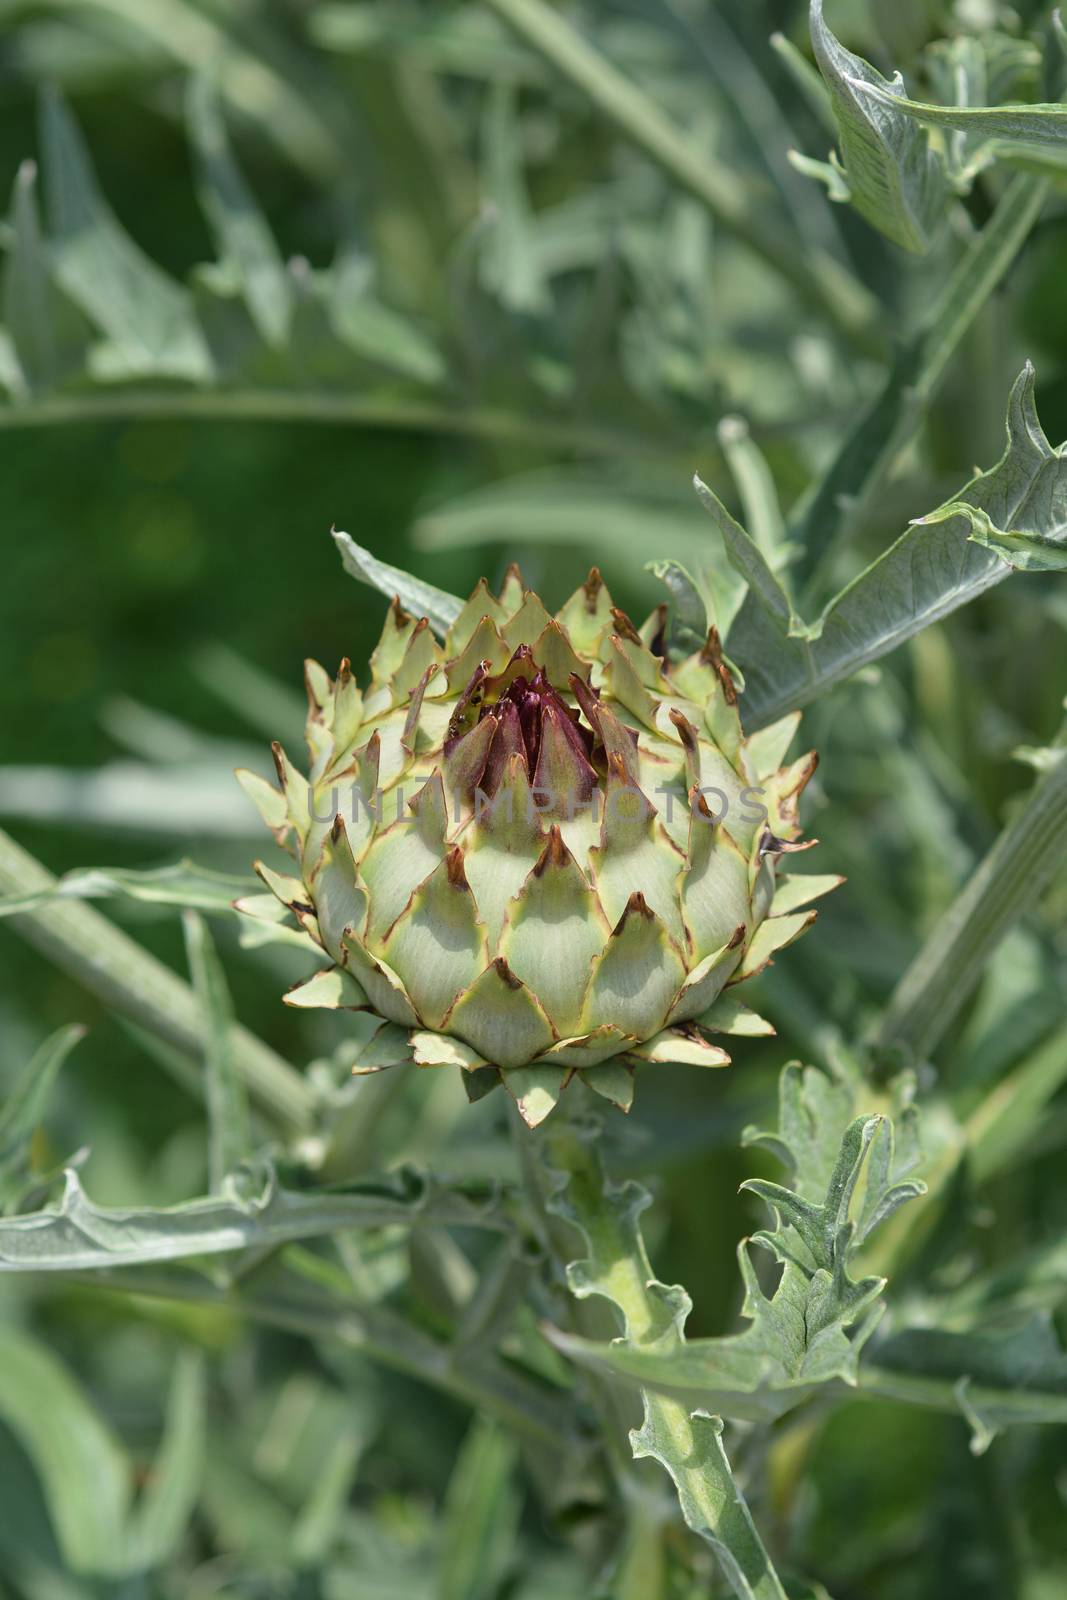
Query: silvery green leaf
(22, 1110)
(1008, 1374)
(813, 1327)
(1039, 131)
(146, 318)
(48, 335)
(76, 1235)
(242, 235)
(896, 181)
(184, 884)
(83, 1472)
(932, 569)
(693, 605)
(422, 599)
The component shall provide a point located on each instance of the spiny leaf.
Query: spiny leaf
(77, 1236)
(1036, 134)
(933, 568)
(812, 1329)
(896, 181)
(184, 885)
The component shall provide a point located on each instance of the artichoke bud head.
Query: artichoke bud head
(539, 848)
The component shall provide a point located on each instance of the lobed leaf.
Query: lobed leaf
(78, 1236)
(931, 570)
(812, 1329)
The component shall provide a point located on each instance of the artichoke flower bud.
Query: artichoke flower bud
(541, 848)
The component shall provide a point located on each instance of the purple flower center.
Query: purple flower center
(532, 698)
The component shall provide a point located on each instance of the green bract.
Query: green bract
(539, 848)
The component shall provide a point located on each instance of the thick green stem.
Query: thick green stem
(592, 1321)
(106, 961)
(604, 1217)
(1006, 884)
(821, 279)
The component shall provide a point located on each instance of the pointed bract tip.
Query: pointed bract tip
(625, 627)
(555, 853)
(504, 972)
(512, 574)
(457, 875)
(711, 655)
(636, 906)
(686, 731)
(592, 587)
(698, 804)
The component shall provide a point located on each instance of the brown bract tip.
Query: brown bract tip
(637, 906)
(698, 803)
(686, 731)
(504, 972)
(711, 653)
(625, 627)
(279, 761)
(591, 588)
(344, 671)
(400, 616)
(555, 853)
(457, 877)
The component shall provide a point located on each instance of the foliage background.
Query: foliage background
(137, 548)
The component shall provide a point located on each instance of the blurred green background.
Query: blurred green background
(164, 576)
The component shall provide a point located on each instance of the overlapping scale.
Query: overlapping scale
(541, 847)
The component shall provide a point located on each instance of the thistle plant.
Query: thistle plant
(541, 848)
(279, 1321)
